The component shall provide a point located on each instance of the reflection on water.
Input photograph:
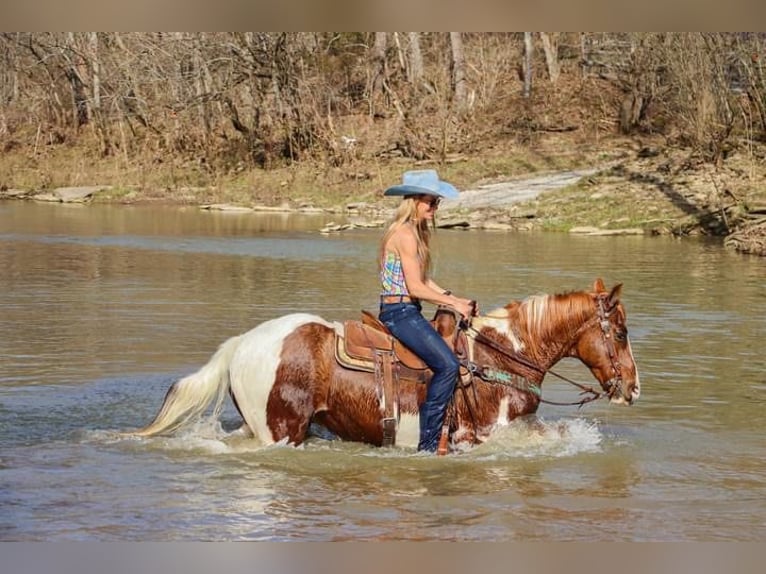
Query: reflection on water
(104, 307)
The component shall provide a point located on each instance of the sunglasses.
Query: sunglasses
(433, 202)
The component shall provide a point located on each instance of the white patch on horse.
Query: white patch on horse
(515, 402)
(637, 391)
(297, 398)
(498, 320)
(408, 432)
(254, 367)
(502, 412)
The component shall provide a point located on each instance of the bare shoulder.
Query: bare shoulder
(402, 237)
(406, 240)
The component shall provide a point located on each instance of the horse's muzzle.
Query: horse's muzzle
(620, 393)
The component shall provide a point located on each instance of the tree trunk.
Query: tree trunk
(631, 109)
(550, 47)
(379, 71)
(400, 53)
(96, 112)
(415, 70)
(96, 67)
(528, 48)
(9, 66)
(79, 96)
(459, 83)
(201, 88)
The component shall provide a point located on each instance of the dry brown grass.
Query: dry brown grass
(649, 184)
(324, 181)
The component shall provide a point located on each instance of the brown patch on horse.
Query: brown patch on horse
(353, 411)
(310, 384)
(354, 408)
(298, 383)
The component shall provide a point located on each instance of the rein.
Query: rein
(520, 383)
(511, 380)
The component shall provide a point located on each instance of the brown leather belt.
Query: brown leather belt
(388, 299)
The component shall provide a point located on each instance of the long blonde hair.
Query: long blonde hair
(406, 213)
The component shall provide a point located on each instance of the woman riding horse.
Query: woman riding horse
(286, 374)
(405, 264)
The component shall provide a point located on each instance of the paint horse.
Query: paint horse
(286, 375)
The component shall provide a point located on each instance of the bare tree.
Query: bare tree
(640, 78)
(459, 82)
(96, 111)
(415, 69)
(528, 53)
(9, 77)
(96, 68)
(272, 98)
(700, 94)
(76, 74)
(379, 67)
(750, 53)
(201, 80)
(551, 56)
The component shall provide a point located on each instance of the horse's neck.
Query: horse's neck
(546, 326)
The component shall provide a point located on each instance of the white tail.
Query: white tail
(188, 398)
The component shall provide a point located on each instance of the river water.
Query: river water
(103, 307)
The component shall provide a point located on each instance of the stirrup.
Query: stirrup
(389, 431)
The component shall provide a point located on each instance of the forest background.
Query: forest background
(674, 124)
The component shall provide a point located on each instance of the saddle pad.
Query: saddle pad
(349, 362)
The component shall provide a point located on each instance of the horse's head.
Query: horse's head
(604, 346)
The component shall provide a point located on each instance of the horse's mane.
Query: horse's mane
(545, 316)
(539, 318)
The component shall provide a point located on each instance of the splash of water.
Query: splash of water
(540, 438)
(535, 438)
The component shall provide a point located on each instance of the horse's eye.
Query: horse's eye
(621, 335)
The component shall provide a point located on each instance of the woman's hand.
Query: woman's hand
(466, 307)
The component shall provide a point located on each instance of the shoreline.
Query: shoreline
(639, 194)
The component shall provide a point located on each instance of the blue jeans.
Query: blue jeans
(407, 324)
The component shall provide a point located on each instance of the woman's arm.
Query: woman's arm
(433, 285)
(406, 244)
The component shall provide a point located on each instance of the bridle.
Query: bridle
(607, 336)
(612, 385)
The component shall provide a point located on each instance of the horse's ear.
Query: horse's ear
(598, 285)
(614, 296)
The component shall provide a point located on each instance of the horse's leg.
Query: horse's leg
(243, 430)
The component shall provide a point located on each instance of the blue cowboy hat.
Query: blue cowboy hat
(423, 182)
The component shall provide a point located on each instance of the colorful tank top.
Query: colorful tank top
(392, 276)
